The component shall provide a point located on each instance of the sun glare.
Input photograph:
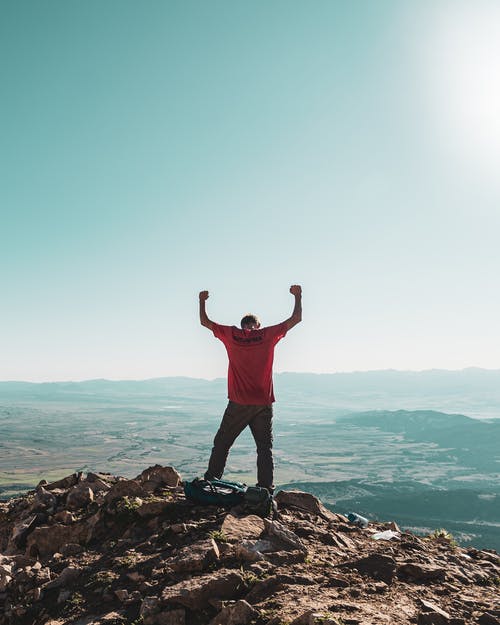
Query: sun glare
(463, 66)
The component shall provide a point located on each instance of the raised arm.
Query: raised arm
(204, 320)
(296, 291)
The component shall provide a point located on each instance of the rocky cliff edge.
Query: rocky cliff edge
(100, 549)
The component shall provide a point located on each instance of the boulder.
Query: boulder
(304, 501)
(157, 476)
(416, 572)
(195, 593)
(236, 529)
(125, 488)
(274, 528)
(98, 486)
(153, 508)
(379, 566)
(44, 500)
(64, 483)
(21, 530)
(264, 588)
(195, 557)
(46, 540)
(67, 576)
(253, 550)
(79, 497)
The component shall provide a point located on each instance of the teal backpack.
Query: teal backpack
(255, 500)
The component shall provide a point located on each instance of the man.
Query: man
(250, 386)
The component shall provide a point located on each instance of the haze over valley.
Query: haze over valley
(418, 448)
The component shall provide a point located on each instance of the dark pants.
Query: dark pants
(235, 419)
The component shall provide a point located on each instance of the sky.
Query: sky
(152, 150)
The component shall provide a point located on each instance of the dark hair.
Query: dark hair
(249, 319)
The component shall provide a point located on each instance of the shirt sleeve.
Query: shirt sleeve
(277, 332)
(221, 332)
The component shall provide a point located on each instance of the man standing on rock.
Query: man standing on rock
(250, 386)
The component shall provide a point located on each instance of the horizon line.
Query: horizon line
(187, 377)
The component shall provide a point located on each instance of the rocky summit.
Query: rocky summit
(96, 548)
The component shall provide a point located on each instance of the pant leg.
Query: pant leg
(262, 430)
(234, 421)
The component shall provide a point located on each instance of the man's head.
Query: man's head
(250, 322)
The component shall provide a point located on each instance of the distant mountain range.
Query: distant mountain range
(388, 380)
(472, 391)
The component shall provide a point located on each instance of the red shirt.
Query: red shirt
(251, 354)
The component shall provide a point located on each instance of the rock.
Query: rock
(304, 501)
(101, 477)
(338, 582)
(299, 580)
(194, 593)
(252, 551)
(312, 617)
(239, 613)
(487, 618)
(64, 595)
(378, 566)
(236, 529)
(121, 594)
(274, 528)
(42, 576)
(44, 500)
(65, 517)
(264, 588)
(134, 597)
(49, 539)
(340, 541)
(195, 558)
(150, 607)
(5, 576)
(36, 594)
(64, 483)
(67, 576)
(432, 614)
(21, 531)
(98, 486)
(135, 576)
(432, 618)
(72, 549)
(416, 572)
(427, 606)
(286, 557)
(157, 476)
(153, 508)
(79, 497)
(125, 488)
(172, 617)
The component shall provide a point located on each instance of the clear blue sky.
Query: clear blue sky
(151, 150)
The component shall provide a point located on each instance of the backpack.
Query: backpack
(254, 499)
(215, 492)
